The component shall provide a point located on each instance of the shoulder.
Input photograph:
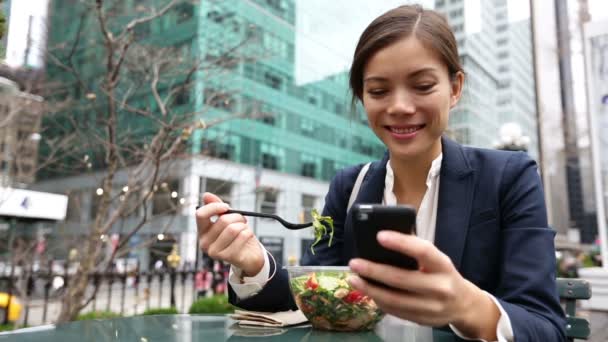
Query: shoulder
(490, 161)
(345, 178)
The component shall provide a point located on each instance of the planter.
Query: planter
(598, 278)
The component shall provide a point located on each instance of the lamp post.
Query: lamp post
(512, 138)
(173, 259)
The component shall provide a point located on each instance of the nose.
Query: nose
(401, 103)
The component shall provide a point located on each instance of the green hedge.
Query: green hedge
(98, 315)
(7, 327)
(212, 305)
(161, 311)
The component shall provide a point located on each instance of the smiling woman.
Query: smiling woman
(472, 203)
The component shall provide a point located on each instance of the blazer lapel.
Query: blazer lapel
(455, 200)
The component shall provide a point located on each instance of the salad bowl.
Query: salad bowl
(328, 301)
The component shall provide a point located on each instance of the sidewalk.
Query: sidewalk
(599, 324)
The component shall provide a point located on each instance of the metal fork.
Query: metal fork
(286, 224)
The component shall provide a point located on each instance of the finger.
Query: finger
(209, 236)
(395, 277)
(429, 257)
(409, 306)
(238, 245)
(204, 214)
(227, 237)
(210, 198)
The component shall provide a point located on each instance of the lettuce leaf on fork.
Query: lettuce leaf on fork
(320, 225)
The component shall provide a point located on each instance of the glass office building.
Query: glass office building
(304, 124)
(496, 54)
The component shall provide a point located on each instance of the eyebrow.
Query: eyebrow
(411, 75)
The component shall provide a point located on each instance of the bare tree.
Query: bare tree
(127, 117)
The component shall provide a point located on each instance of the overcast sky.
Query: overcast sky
(326, 31)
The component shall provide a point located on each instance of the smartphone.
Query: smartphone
(369, 219)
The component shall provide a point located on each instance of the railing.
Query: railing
(125, 293)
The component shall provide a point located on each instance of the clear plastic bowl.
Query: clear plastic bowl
(328, 301)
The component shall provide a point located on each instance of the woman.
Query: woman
(484, 247)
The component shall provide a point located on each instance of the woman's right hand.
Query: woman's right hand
(229, 238)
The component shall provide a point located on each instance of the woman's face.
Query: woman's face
(407, 94)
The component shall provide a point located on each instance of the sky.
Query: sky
(324, 45)
(17, 32)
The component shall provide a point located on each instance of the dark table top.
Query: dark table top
(181, 328)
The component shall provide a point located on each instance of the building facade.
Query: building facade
(20, 116)
(292, 135)
(496, 55)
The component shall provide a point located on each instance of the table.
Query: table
(199, 328)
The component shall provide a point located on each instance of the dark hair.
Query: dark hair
(430, 27)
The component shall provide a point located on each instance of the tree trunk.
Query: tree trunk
(73, 299)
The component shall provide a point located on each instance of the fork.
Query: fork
(286, 224)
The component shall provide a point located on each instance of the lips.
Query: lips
(404, 131)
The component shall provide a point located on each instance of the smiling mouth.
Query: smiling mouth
(404, 130)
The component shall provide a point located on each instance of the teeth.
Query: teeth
(404, 130)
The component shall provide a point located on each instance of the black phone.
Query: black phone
(369, 219)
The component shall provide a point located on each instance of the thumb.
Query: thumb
(211, 198)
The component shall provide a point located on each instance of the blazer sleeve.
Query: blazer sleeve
(527, 288)
(276, 295)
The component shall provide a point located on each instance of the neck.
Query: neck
(411, 173)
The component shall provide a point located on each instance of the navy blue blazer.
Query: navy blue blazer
(491, 222)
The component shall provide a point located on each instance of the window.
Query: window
(273, 81)
(276, 5)
(268, 200)
(308, 169)
(268, 119)
(220, 17)
(219, 99)
(184, 12)
(269, 161)
(182, 97)
(165, 200)
(307, 127)
(456, 13)
(217, 149)
(219, 187)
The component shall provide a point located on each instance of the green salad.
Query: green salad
(320, 228)
(330, 303)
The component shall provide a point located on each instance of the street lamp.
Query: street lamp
(512, 138)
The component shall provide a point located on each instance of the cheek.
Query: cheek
(371, 109)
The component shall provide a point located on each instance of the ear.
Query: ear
(456, 85)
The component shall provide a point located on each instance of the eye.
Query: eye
(425, 88)
(377, 91)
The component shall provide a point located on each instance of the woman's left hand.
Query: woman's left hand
(434, 295)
